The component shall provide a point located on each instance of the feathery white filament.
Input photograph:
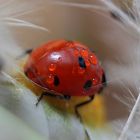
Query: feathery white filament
(124, 133)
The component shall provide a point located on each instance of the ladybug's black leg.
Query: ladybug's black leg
(65, 97)
(25, 53)
(82, 104)
(78, 114)
(104, 83)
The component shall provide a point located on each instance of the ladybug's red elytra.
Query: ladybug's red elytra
(65, 69)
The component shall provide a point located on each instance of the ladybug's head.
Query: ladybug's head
(69, 68)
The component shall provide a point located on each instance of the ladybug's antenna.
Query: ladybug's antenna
(26, 52)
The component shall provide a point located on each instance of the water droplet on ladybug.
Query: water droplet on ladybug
(69, 44)
(50, 79)
(76, 52)
(81, 70)
(87, 62)
(93, 59)
(95, 81)
(84, 53)
(52, 67)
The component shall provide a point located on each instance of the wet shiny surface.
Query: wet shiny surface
(72, 62)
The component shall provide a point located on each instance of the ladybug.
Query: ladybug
(64, 69)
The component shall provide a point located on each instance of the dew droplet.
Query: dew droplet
(93, 59)
(81, 70)
(87, 62)
(95, 81)
(50, 79)
(76, 52)
(69, 44)
(84, 53)
(52, 67)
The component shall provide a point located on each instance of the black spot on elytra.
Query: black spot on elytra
(81, 62)
(56, 81)
(88, 84)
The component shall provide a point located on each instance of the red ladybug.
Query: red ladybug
(64, 69)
